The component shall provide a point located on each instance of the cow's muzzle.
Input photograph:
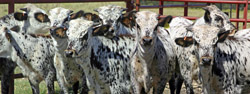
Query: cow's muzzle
(147, 41)
(206, 60)
(69, 53)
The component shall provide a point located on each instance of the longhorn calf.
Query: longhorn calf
(36, 64)
(119, 23)
(105, 61)
(188, 66)
(154, 60)
(69, 73)
(222, 58)
(20, 22)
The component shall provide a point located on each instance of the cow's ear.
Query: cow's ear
(77, 15)
(15, 28)
(222, 36)
(101, 31)
(128, 19)
(92, 17)
(41, 17)
(184, 42)
(24, 9)
(207, 16)
(164, 22)
(226, 13)
(60, 32)
(20, 16)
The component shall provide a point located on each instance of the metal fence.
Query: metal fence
(161, 5)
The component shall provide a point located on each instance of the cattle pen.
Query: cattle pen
(136, 5)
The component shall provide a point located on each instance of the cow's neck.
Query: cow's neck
(146, 53)
(61, 45)
(124, 30)
(206, 76)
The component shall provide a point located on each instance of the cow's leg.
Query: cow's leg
(84, 86)
(63, 87)
(34, 87)
(5, 83)
(49, 80)
(189, 87)
(75, 87)
(160, 86)
(178, 84)
(172, 85)
(136, 88)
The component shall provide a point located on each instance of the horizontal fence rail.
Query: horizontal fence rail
(161, 5)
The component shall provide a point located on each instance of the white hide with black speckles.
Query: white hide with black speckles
(154, 62)
(34, 55)
(105, 61)
(228, 72)
(188, 65)
(32, 25)
(111, 15)
(59, 16)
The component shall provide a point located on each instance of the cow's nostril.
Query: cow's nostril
(206, 61)
(68, 53)
(147, 41)
(51, 29)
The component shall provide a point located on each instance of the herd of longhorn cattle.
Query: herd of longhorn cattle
(112, 52)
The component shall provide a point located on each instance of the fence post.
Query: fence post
(129, 5)
(161, 7)
(245, 15)
(237, 14)
(11, 6)
(137, 5)
(11, 86)
(185, 8)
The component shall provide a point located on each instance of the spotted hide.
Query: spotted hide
(69, 73)
(152, 65)
(222, 59)
(37, 20)
(6, 69)
(105, 60)
(215, 17)
(187, 61)
(34, 55)
(119, 23)
(19, 22)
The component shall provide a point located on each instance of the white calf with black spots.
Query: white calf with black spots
(119, 23)
(187, 63)
(222, 58)
(154, 60)
(104, 60)
(69, 73)
(19, 22)
(34, 55)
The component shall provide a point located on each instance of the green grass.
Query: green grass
(22, 86)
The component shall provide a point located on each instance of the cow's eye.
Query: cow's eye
(85, 37)
(155, 28)
(214, 41)
(65, 20)
(138, 27)
(196, 43)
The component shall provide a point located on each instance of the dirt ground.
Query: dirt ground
(197, 89)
